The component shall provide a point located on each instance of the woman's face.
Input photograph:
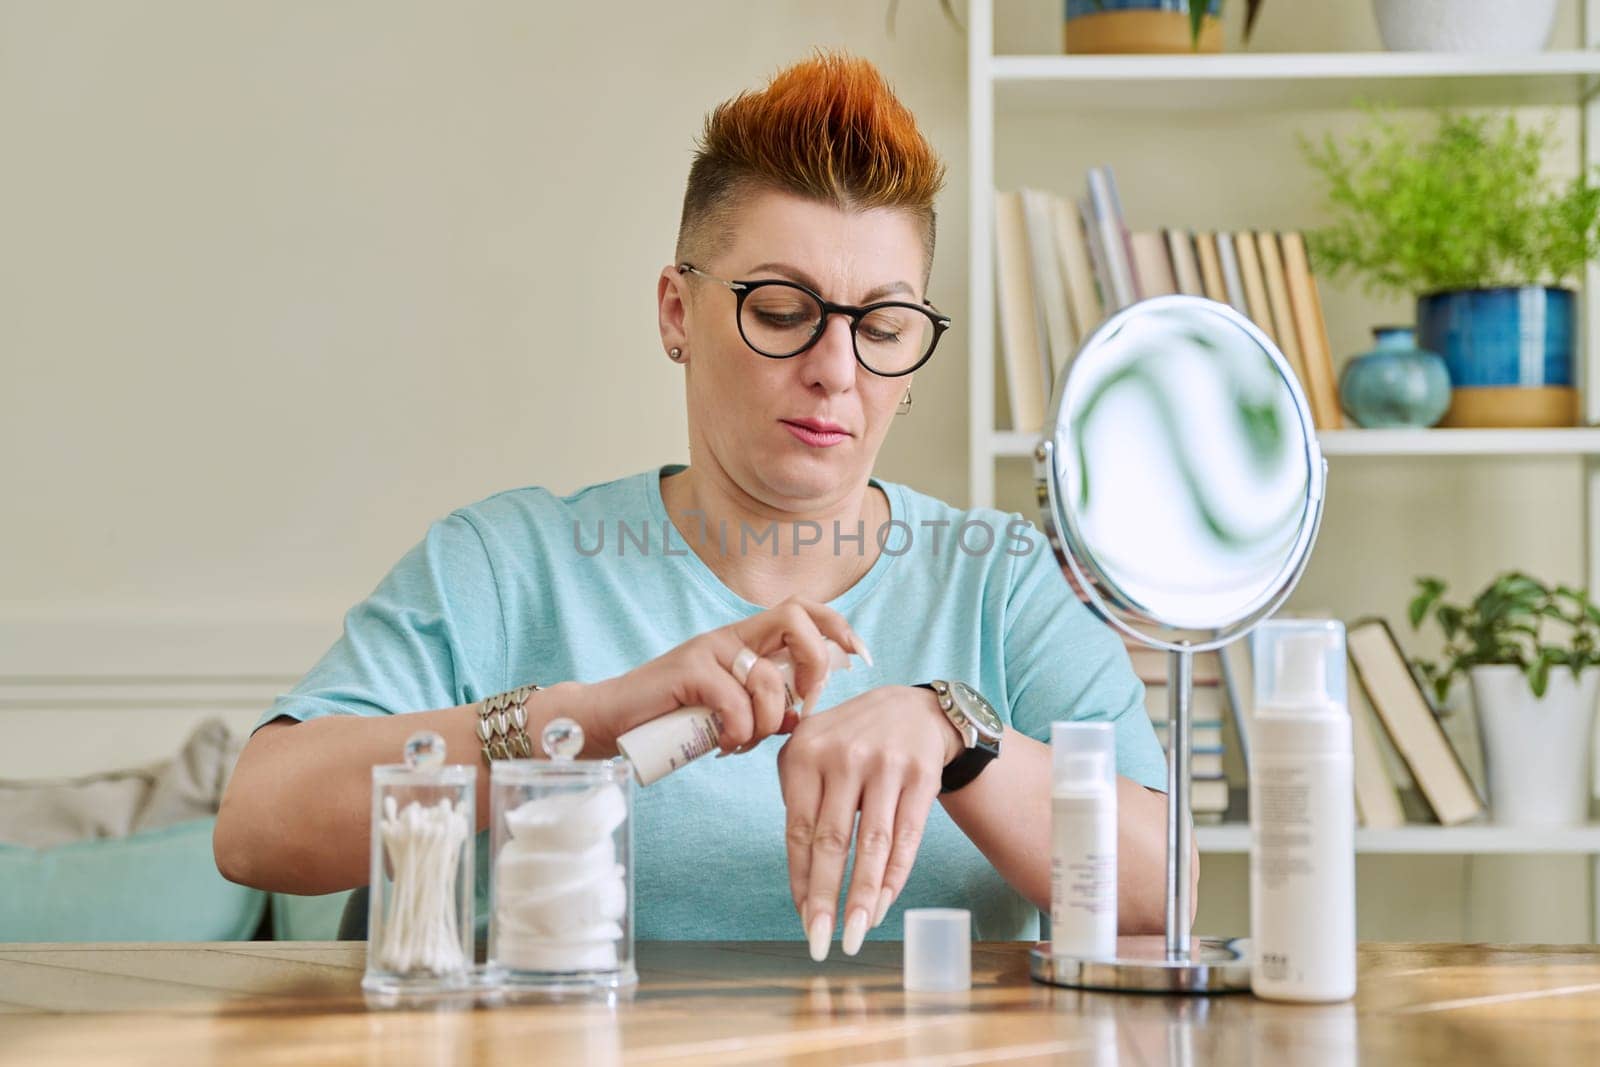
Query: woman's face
(758, 416)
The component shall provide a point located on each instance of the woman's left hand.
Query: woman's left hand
(881, 754)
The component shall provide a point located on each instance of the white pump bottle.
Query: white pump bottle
(1302, 816)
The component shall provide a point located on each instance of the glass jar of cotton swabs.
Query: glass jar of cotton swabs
(561, 878)
(420, 910)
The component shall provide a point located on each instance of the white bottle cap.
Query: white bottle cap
(938, 953)
(1083, 756)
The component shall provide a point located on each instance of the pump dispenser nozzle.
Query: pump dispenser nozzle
(1302, 670)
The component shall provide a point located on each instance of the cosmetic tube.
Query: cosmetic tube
(672, 741)
(1083, 849)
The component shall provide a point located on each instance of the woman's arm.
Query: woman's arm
(1006, 813)
(296, 817)
(297, 813)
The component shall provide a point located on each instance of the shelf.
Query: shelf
(1578, 441)
(1437, 840)
(1253, 82)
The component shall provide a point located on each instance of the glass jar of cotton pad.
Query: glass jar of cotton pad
(561, 872)
(420, 908)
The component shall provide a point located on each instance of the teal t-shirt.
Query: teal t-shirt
(526, 586)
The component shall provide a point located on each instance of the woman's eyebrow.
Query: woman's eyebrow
(796, 274)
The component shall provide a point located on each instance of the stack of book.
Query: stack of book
(1209, 707)
(1062, 267)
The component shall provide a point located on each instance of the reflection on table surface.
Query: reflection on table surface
(733, 1003)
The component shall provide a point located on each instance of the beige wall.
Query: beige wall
(282, 282)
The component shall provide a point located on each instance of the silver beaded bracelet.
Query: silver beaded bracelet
(503, 724)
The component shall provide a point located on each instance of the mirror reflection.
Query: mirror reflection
(1185, 465)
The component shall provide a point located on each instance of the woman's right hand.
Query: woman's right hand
(699, 673)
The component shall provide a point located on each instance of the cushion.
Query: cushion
(44, 814)
(159, 885)
(297, 918)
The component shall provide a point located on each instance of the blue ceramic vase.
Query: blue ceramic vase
(1396, 384)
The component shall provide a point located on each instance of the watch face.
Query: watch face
(977, 710)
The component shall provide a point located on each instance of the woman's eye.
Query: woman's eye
(784, 320)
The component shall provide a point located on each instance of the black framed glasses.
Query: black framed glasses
(779, 319)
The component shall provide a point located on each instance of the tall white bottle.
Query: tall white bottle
(1302, 816)
(1083, 850)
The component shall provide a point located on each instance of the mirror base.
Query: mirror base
(1214, 965)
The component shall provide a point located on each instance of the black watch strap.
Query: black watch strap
(969, 764)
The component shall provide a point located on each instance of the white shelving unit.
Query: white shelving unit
(1582, 441)
(1436, 840)
(1000, 85)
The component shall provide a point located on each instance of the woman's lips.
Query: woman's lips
(814, 437)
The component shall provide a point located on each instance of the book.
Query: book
(1283, 327)
(1106, 210)
(1232, 276)
(1014, 305)
(1211, 280)
(1053, 323)
(1208, 795)
(1097, 256)
(1185, 265)
(1201, 735)
(1150, 664)
(1322, 388)
(1403, 709)
(1205, 762)
(1239, 679)
(1255, 285)
(1207, 703)
(1072, 248)
(1152, 270)
(1377, 799)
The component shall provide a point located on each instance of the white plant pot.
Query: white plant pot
(1536, 751)
(1502, 26)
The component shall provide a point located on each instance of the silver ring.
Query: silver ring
(742, 664)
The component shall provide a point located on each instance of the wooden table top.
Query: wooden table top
(750, 1003)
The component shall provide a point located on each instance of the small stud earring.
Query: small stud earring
(675, 354)
(905, 404)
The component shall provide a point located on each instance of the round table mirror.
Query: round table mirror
(1181, 486)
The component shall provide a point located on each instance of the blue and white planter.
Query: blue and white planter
(1139, 26)
(1510, 336)
(1077, 8)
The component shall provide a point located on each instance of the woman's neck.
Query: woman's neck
(765, 554)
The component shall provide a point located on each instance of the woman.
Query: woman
(796, 307)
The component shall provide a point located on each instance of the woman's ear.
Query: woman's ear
(672, 311)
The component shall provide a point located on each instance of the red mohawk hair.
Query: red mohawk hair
(829, 129)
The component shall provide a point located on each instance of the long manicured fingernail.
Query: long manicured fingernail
(855, 929)
(821, 933)
(862, 651)
(885, 898)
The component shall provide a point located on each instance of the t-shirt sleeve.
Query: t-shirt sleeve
(431, 635)
(1062, 662)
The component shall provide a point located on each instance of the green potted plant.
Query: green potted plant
(1532, 656)
(1148, 26)
(1465, 219)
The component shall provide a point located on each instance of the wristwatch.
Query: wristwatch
(979, 726)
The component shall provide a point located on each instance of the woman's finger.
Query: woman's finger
(728, 701)
(801, 786)
(911, 816)
(768, 700)
(874, 837)
(830, 848)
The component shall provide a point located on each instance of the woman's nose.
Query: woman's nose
(831, 362)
